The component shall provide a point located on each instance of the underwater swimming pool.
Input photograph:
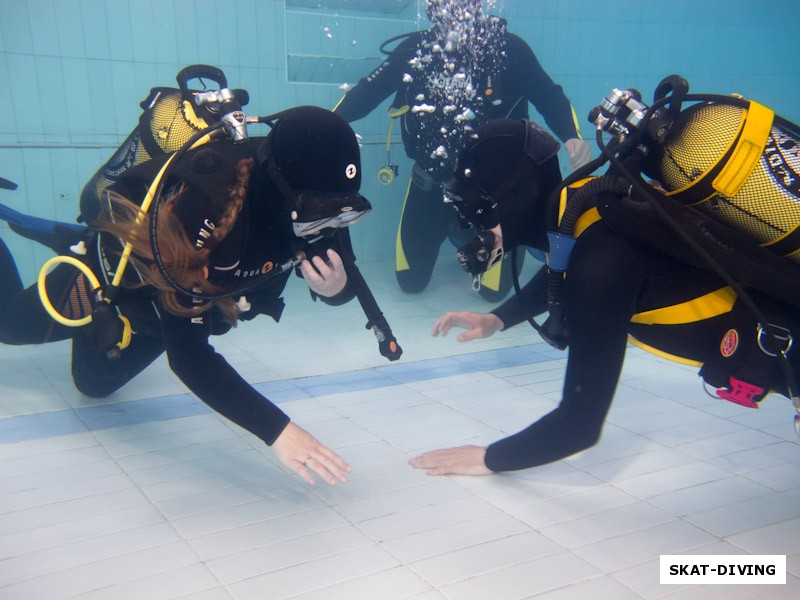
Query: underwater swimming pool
(150, 494)
(74, 73)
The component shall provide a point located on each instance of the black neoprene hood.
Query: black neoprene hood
(315, 150)
(491, 153)
(515, 163)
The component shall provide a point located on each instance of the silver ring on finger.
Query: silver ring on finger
(305, 462)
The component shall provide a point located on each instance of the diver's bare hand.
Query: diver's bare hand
(301, 452)
(579, 153)
(326, 278)
(463, 460)
(478, 325)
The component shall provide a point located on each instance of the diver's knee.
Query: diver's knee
(410, 282)
(94, 387)
(93, 391)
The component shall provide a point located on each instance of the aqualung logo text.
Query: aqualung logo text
(782, 158)
(443, 82)
(725, 569)
(124, 158)
(204, 234)
(263, 270)
(377, 71)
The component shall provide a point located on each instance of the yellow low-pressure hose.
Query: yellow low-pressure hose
(126, 253)
(48, 306)
(124, 331)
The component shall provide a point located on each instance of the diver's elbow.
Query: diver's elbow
(587, 438)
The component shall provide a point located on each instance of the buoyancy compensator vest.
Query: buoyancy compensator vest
(723, 194)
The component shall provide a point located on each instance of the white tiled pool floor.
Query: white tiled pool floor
(148, 495)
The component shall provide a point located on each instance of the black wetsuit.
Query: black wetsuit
(257, 241)
(495, 75)
(611, 278)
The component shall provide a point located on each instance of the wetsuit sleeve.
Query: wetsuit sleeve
(373, 89)
(539, 88)
(343, 297)
(601, 288)
(534, 301)
(208, 375)
(342, 245)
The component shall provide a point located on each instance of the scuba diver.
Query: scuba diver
(446, 81)
(628, 261)
(230, 221)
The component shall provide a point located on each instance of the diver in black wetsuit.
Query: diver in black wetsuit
(617, 285)
(225, 223)
(447, 80)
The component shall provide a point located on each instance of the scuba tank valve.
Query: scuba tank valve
(623, 113)
(225, 104)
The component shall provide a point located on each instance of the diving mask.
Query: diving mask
(318, 215)
(477, 209)
(474, 206)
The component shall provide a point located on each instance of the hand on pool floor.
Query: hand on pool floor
(477, 325)
(301, 452)
(463, 460)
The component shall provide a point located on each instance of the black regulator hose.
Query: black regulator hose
(401, 36)
(577, 175)
(213, 131)
(518, 293)
(556, 331)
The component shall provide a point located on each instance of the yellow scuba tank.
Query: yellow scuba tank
(724, 194)
(170, 117)
(739, 164)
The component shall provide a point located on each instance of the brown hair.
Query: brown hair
(187, 265)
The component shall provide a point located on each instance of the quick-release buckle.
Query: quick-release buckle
(776, 333)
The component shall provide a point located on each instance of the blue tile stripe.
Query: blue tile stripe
(117, 414)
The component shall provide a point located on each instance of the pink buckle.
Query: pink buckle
(741, 393)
